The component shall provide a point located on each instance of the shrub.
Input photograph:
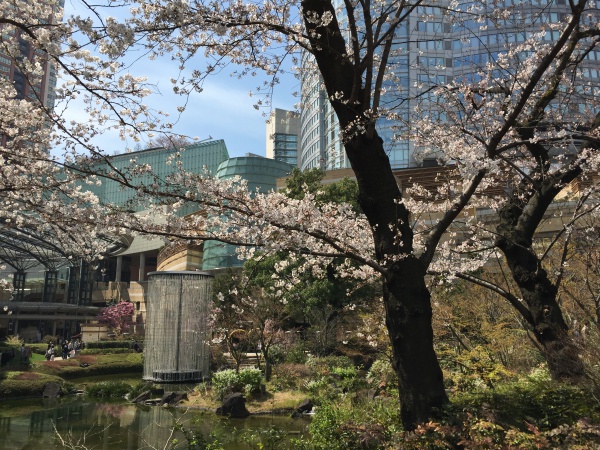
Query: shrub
(324, 365)
(291, 376)
(108, 389)
(49, 339)
(109, 344)
(381, 375)
(339, 426)
(276, 354)
(228, 381)
(14, 341)
(25, 384)
(105, 351)
(544, 404)
(296, 354)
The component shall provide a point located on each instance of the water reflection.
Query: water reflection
(78, 424)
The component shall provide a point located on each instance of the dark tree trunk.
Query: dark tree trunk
(408, 320)
(407, 300)
(406, 297)
(540, 296)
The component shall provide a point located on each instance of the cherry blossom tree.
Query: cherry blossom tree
(486, 132)
(118, 316)
(527, 124)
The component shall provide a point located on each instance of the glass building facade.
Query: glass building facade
(194, 158)
(39, 88)
(283, 129)
(431, 48)
(261, 174)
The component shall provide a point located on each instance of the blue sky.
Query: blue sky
(224, 110)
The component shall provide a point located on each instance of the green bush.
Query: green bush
(381, 375)
(98, 365)
(26, 384)
(39, 349)
(296, 354)
(544, 403)
(276, 354)
(49, 339)
(342, 427)
(324, 365)
(109, 344)
(106, 351)
(228, 381)
(108, 389)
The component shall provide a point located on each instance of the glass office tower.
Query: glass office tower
(431, 48)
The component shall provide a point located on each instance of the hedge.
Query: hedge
(105, 351)
(109, 344)
(26, 384)
(93, 365)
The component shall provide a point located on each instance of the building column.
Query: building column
(119, 269)
(142, 269)
(16, 327)
(53, 328)
(19, 285)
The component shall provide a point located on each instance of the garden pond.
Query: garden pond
(83, 423)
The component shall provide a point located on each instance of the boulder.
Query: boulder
(142, 397)
(233, 406)
(304, 407)
(52, 390)
(173, 398)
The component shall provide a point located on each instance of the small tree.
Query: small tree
(118, 317)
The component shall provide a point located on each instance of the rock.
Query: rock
(142, 397)
(173, 398)
(233, 406)
(179, 396)
(372, 394)
(304, 407)
(52, 390)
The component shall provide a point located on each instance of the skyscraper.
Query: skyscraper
(283, 129)
(432, 47)
(39, 88)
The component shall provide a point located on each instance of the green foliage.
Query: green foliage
(476, 368)
(296, 354)
(542, 402)
(381, 375)
(14, 341)
(290, 376)
(228, 381)
(38, 349)
(299, 183)
(271, 438)
(333, 376)
(341, 427)
(25, 384)
(49, 339)
(106, 351)
(98, 365)
(109, 344)
(324, 364)
(108, 389)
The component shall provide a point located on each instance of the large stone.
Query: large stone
(52, 390)
(142, 397)
(173, 398)
(233, 406)
(304, 407)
